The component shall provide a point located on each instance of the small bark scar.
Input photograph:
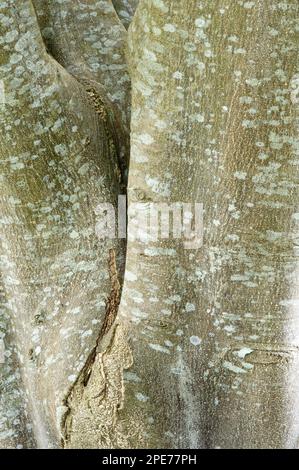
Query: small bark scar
(93, 402)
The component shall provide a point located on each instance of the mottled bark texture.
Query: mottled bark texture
(214, 331)
(15, 422)
(88, 39)
(57, 164)
(203, 351)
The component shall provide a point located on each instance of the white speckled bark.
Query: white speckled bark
(57, 163)
(214, 331)
(15, 423)
(212, 359)
(89, 40)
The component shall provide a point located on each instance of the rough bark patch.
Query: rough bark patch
(97, 395)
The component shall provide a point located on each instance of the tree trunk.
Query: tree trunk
(88, 39)
(203, 350)
(58, 162)
(214, 331)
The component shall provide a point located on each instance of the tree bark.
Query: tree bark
(214, 331)
(88, 39)
(203, 350)
(58, 162)
(15, 421)
(125, 10)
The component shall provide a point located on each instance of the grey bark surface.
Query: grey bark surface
(203, 351)
(57, 164)
(16, 430)
(125, 10)
(88, 39)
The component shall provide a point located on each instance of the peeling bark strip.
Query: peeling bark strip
(114, 298)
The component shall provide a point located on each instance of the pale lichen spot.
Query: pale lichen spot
(83, 170)
(159, 348)
(195, 340)
(198, 118)
(160, 5)
(243, 352)
(74, 234)
(156, 31)
(254, 82)
(246, 99)
(233, 368)
(200, 22)
(232, 237)
(130, 276)
(139, 157)
(157, 186)
(131, 377)
(72, 378)
(248, 124)
(229, 328)
(249, 5)
(145, 139)
(177, 75)
(61, 150)
(199, 274)
(86, 333)
(263, 156)
(189, 307)
(166, 312)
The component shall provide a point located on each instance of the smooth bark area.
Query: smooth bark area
(214, 331)
(15, 422)
(88, 39)
(57, 164)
